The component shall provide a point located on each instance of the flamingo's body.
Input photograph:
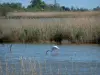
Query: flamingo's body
(54, 50)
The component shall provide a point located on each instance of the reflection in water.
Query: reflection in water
(10, 48)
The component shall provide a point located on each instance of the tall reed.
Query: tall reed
(74, 30)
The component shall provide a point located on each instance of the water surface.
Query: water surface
(71, 60)
(77, 53)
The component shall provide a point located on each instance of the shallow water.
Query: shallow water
(77, 53)
(73, 59)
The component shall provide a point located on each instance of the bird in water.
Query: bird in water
(54, 50)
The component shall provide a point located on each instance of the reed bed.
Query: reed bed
(53, 14)
(59, 30)
(32, 66)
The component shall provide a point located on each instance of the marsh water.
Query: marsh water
(86, 58)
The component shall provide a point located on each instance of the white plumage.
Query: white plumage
(54, 50)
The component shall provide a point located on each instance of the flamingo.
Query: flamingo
(54, 48)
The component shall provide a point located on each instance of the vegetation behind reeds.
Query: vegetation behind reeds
(74, 30)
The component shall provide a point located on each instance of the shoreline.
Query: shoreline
(52, 43)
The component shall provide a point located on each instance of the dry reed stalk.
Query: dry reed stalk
(66, 70)
(72, 64)
(40, 68)
(33, 67)
(22, 66)
(86, 29)
(45, 66)
(13, 68)
(58, 71)
(51, 72)
(1, 71)
(7, 69)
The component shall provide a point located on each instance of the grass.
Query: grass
(32, 66)
(81, 29)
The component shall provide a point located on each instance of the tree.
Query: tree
(16, 5)
(12, 5)
(65, 8)
(4, 10)
(7, 7)
(37, 4)
(97, 8)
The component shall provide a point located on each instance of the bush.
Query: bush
(4, 11)
(57, 37)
